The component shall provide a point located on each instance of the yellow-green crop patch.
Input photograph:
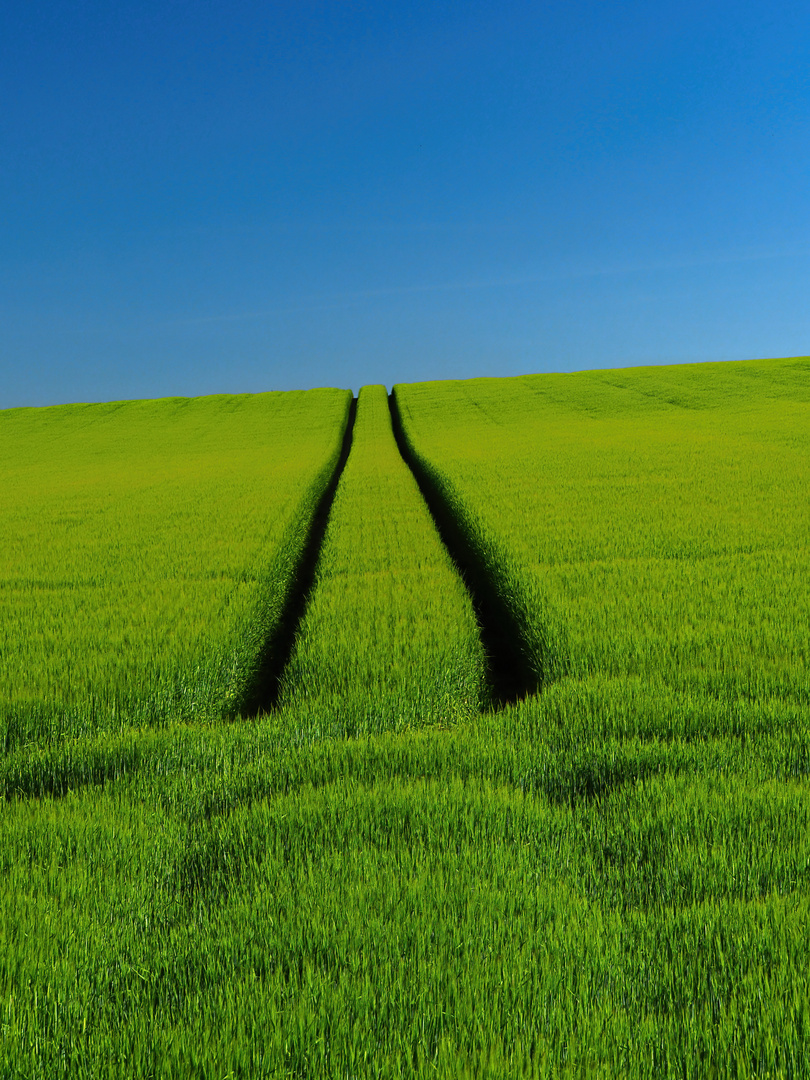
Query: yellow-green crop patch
(145, 552)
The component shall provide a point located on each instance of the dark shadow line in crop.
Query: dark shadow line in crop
(264, 694)
(511, 678)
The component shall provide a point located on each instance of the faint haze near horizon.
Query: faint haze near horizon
(224, 198)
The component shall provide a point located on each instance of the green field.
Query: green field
(403, 868)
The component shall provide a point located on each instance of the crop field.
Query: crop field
(469, 736)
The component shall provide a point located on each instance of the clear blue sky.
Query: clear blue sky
(206, 196)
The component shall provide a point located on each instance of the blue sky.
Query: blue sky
(208, 197)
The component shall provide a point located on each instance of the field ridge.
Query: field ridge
(390, 639)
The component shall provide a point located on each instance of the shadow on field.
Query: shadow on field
(511, 677)
(263, 695)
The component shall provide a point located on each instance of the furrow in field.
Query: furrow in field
(389, 639)
(263, 694)
(511, 673)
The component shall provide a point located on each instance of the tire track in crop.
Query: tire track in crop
(511, 677)
(264, 695)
